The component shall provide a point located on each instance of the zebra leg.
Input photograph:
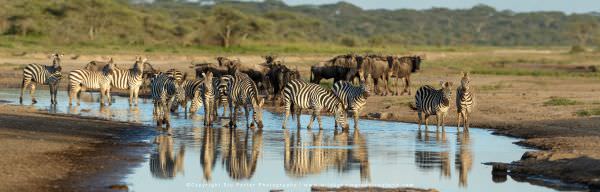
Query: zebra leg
(458, 120)
(317, 113)
(420, 119)
(355, 120)
(108, 96)
(130, 96)
(298, 113)
(443, 118)
(24, 84)
(248, 125)
(32, 94)
(287, 114)
(437, 121)
(426, 122)
(466, 124)
(310, 122)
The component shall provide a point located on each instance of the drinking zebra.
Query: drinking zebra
(430, 101)
(302, 95)
(179, 77)
(38, 74)
(82, 79)
(243, 91)
(353, 97)
(464, 101)
(165, 90)
(191, 90)
(130, 79)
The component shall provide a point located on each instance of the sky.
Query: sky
(567, 6)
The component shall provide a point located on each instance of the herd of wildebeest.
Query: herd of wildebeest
(234, 85)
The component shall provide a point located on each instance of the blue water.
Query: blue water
(387, 154)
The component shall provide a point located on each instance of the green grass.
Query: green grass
(560, 101)
(588, 112)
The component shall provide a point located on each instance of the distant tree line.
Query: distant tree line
(229, 23)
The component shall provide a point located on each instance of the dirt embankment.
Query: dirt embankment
(46, 152)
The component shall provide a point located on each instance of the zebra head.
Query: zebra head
(139, 64)
(257, 111)
(365, 88)
(56, 57)
(465, 81)
(110, 67)
(446, 89)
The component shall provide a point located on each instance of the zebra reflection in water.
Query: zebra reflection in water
(303, 158)
(240, 157)
(208, 152)
(463, 158)
(430, 160)
(164, 163)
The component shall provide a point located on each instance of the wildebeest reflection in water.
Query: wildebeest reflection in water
(429, 160)
(164, 163)
(311, 157)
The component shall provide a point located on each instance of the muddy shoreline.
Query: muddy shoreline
(53, 152)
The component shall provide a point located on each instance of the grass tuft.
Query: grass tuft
(588, 112)
(560, 101)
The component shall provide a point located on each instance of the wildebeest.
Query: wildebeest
(216, 70)
(342, 67)
(402, 67)
(256, 72)
(278, 76)
(378, 68)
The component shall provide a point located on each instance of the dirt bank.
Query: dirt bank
(47, 152)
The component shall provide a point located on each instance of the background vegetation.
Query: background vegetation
(271, 24)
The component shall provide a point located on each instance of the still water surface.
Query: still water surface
(388, 154)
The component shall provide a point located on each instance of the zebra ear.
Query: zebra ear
(262, 102)
(203, 75)
(442, 83)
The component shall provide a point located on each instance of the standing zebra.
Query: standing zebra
(353, 97)
(38, 74)
(82, 79)
(464, 101)
(208, 97)
(432, 101)
(222, 84)
(243, 91)
(130, 79)
(302, 95)
(165, 90)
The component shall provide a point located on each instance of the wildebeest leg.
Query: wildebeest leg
(375, 85)
(406, 85)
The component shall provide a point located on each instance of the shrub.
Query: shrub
(559, 101)
(577, 49)
(586, 113)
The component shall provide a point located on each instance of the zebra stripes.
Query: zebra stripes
(353, 97)
(190, 88)
(222, 84)
(430, 101)
(165, 91)
(52, 82)
(130, 79)
(243, 91)
(208, 97)
(82, 79)
(464, 101)
(38, 74)
(302, 95)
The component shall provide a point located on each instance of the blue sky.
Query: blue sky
(568, 6)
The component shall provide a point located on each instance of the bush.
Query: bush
(349, 41)
(577, 49)
(559, 101)
(586, 113)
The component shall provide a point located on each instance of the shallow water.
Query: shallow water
(387, 154)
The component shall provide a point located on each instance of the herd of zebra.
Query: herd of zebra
(230, 84)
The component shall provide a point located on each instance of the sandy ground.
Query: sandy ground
(46, 152)
(511, 105)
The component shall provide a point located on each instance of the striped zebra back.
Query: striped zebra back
(40, 73)
(303, 95)
(176, 74)
(54, 78)
(163, 87)
(431, 101)
(224, 83)
(191, 89)
(353, 97)
(90, 78)
(464, 95)
(129, 78)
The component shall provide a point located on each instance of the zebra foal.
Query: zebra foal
(39, 74)
(299, 94)
(353, 97)
(431, 101)
(464, 101)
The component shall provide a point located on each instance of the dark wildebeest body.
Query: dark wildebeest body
(256, 73)
(378, 68)
(342, 67)
(278, 76)
(216, 70)
(402, 68)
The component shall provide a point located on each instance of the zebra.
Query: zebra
(241, 92)
(431, 101)
(207, 93)
(165, 90)
(38, 74)
(302, 95)
(464, 101)
(130, 79)
(82, 79)
(53, 81)
(191, 88)
(179, 77)
(222, 85)
(353, 97)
